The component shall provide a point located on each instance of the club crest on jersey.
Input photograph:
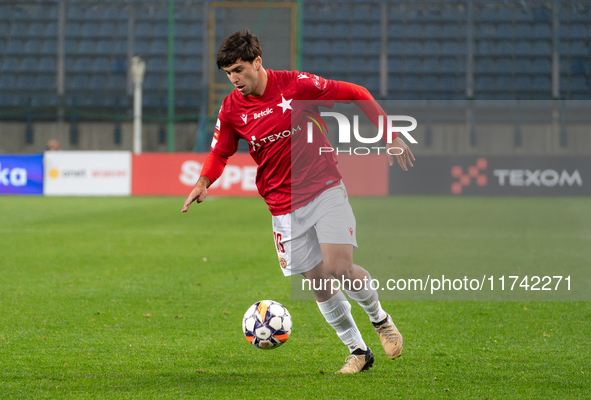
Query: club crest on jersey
(303, 76)
(282, 262)
(244, 117)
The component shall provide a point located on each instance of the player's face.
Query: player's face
(244, 75)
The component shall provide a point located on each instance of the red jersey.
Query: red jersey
(290, 172)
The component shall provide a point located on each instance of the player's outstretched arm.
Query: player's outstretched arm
(403, 154)
(198, 193)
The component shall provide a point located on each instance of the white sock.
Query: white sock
(367, 298)
(337, 312)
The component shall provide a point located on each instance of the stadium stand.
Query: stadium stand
(426, 49)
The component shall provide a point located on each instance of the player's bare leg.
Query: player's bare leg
(337, 311)
(338, 261)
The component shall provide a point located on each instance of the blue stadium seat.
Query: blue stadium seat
(188, 82)
(36, 29)
(33, 46)
(542, 83)
(29, 64)
(372, 83)
(413, 31)
(47, 64)
(101, 65)
(156, 64)
(357, 65)
(71, 46)
(523, 83)
(341, 30)
(578, 66)
(429, 83)
(450, 31)
(4, 29)
(10, 64)
(449, 48)
(410, 83)
(45, 81)
(448, 65)
(49, 46)
(7, 82)
(19, 29)
(339, 47)
(504, 31)
(504, 48)
(25, 81)
(373, 65)
(542, 31)
(523, 65)
(484, 83)
(431, 48)
(504, 66)
(412, 65)
(15, 46)
(542, 48)
(89, 29)
(503, 83)
(104, 47)
(523, 31)
(86, 46)
(485, 66)
(141, 47)
(338, 64)
(159, 47)
(430, 65)
(542, 65)
(323, 31)
(395, 47)
(143, 29)
(153, 81)
(413, 48)
(579, 48)
(486, 31)
(98, 81)
(106, 29)
(523, 48)
(579, 31)
(486, 48)
(321, 64)
(433, 31)
(118, 81)
(77, 82)
(82, 64)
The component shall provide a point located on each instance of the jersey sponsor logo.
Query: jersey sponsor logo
(285, 104)
(272, 138)
(303, 76)
(244, 118)
(263, 113)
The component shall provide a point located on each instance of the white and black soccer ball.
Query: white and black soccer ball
(266, 324)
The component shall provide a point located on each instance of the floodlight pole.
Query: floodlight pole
(138, 68)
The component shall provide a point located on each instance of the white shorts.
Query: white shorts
(298, 234)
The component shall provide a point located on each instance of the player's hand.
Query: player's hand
(402, 152)
(198, 194)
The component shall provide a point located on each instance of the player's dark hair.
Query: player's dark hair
(241, 45)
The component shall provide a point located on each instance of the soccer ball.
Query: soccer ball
(266, 324)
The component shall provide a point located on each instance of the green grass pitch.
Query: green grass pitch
(128, 298)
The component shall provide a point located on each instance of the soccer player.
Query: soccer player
(313, 224)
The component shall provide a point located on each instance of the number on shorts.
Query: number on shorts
(278, 244)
